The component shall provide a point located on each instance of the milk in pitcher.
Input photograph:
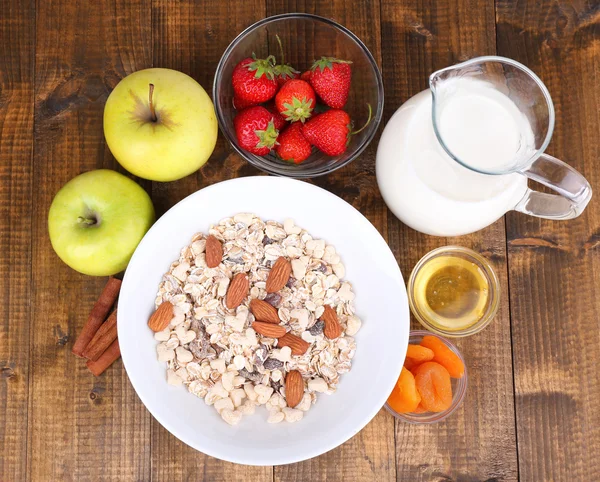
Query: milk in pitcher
(432, 192)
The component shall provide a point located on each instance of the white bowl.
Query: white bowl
(381, 303)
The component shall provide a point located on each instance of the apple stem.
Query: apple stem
(87, 221)
(151, 104)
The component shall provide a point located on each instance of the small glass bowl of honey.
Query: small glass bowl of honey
(453, 291)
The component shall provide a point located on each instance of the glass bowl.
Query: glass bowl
(459, 387)
(488, 311)
(305, 38)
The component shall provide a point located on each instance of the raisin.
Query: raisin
(274, 299)
(317, 328)
(197, 327)
(260, 355)
(252, 376)
(218, 349)
(199, 348)
(272, 364)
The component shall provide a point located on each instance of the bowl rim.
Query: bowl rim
(259, 162)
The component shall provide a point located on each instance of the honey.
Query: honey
(451, 292)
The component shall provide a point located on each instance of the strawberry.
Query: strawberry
(292, 145)
(306, 75)
(296, 100)
(283, 71)
(330, 78)
(254, 80)
(330, 131)
(278, 119)
(255, 130)
(240, 104)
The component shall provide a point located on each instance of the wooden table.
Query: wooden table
(532, 409)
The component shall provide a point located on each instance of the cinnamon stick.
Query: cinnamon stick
(112, 353)
(98, 315)
(103, 338)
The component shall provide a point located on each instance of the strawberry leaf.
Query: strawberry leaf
(327, 63)
(298, 110)
(286, 71)
(268, 137)
(262, 67)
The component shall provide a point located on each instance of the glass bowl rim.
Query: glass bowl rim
(458, 395)
(264, 164)
(494, 291)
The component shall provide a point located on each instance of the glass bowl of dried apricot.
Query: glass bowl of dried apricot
(433, 380)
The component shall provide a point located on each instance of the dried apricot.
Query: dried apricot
(419, 353)
(410, 364)
(434, 385)
(420, 409)
(444, 356)
(404, 397)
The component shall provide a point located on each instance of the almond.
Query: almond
(263, 311)
(214, 252)
(332, 328)
(279, 275)
(297, 344)
(268, 329)
(161, 318)
(237, 291)
(294, 388)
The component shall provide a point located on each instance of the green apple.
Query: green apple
(160, 124)
(97, 220)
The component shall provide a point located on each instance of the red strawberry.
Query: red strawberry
(292, 145)
(330, 131)
(254, 80)
(278, 119)
(331, 80)
(285, 73)
(295, 100)
(306, 75)
(255, 130)
(239, 104)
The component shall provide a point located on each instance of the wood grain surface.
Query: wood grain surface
(16, 174)
(555, 267)
(532, 410)
(80, 427)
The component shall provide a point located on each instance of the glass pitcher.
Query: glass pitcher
(454, 159)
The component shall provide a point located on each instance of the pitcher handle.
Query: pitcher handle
(574, 191)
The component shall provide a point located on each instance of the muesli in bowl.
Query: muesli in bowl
(256, 313)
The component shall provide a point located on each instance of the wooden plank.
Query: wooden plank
(80, 427)
(191, 36)
(16, 131)
(554, 266)
(369, 455)
(478, 441)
